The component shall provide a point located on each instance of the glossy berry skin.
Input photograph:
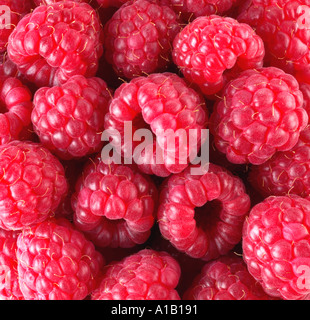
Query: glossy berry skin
(145, 275)
(10, 18)
(287, 172)
(202, 215)
(114, 204)
(225, 278)
(49, 2)
(69, 119)
(57, 41)
(9, 289)
(32, 184)
(138, 38)
(56, 262)
(158, 102)
(284, 28)
(210, 45)
(276, 245)
(259, 113)
(15, 108)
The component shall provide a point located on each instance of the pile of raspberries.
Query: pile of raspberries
(75, 225)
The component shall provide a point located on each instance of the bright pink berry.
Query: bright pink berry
(57, 41)
(69, 119)
(32, 184)
(114, 204)
(146, 275)
(138, 38)
(276, 245)
(284, 26)
(259, 113)
(158, 102)
(225, 278)
(9, 285)
(15, 110)
(203, 215)
(56, 262)
(209, 46)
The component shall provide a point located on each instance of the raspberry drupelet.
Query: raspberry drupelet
(211, 47)
(276, 246)
(138, 38)
(69, 119)
(57, 41)
(32, 184)
(159, 102)
(203, 215)
(114, 204)
(57, 262)
(259, 113)
(145, 275)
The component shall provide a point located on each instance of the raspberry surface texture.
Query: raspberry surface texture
(32, 184)
(56, 262)
(114, 204)
(259, 113)
(138, 38)
(186, 221)
(284, 26)
(287, 172)
(15, 108)
(69, 119)
(225, 278)
(211, 47)
(159, 102)
(9, 289)
(145, 275)
(57, 41)
(276, 245)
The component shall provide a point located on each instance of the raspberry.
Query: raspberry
(32, 184)
(69, 119)
(15, 108)
(225, 278)
(159, 102)
(276, 245)
(146, 275)
(286, 39)
(10, 18)
(56, 262)
(114, 204)
(259, 113)
(56, 42)
(138, 38)
(184, 217)
(9, 288)
(287, 172)
(209, 46)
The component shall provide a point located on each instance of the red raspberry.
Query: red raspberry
(138, 38)
(32, 184)
(9, 19)
(9, 286)
(225, 278)
(260, 112)
(185, 218)
(159, 102)
(69, 119)
(56, 42)
(210, 45)
(286, 39)
(15, 110)
(114, 204)
(146, 275)
(276, 245)
(287, 172)
(56, 262)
